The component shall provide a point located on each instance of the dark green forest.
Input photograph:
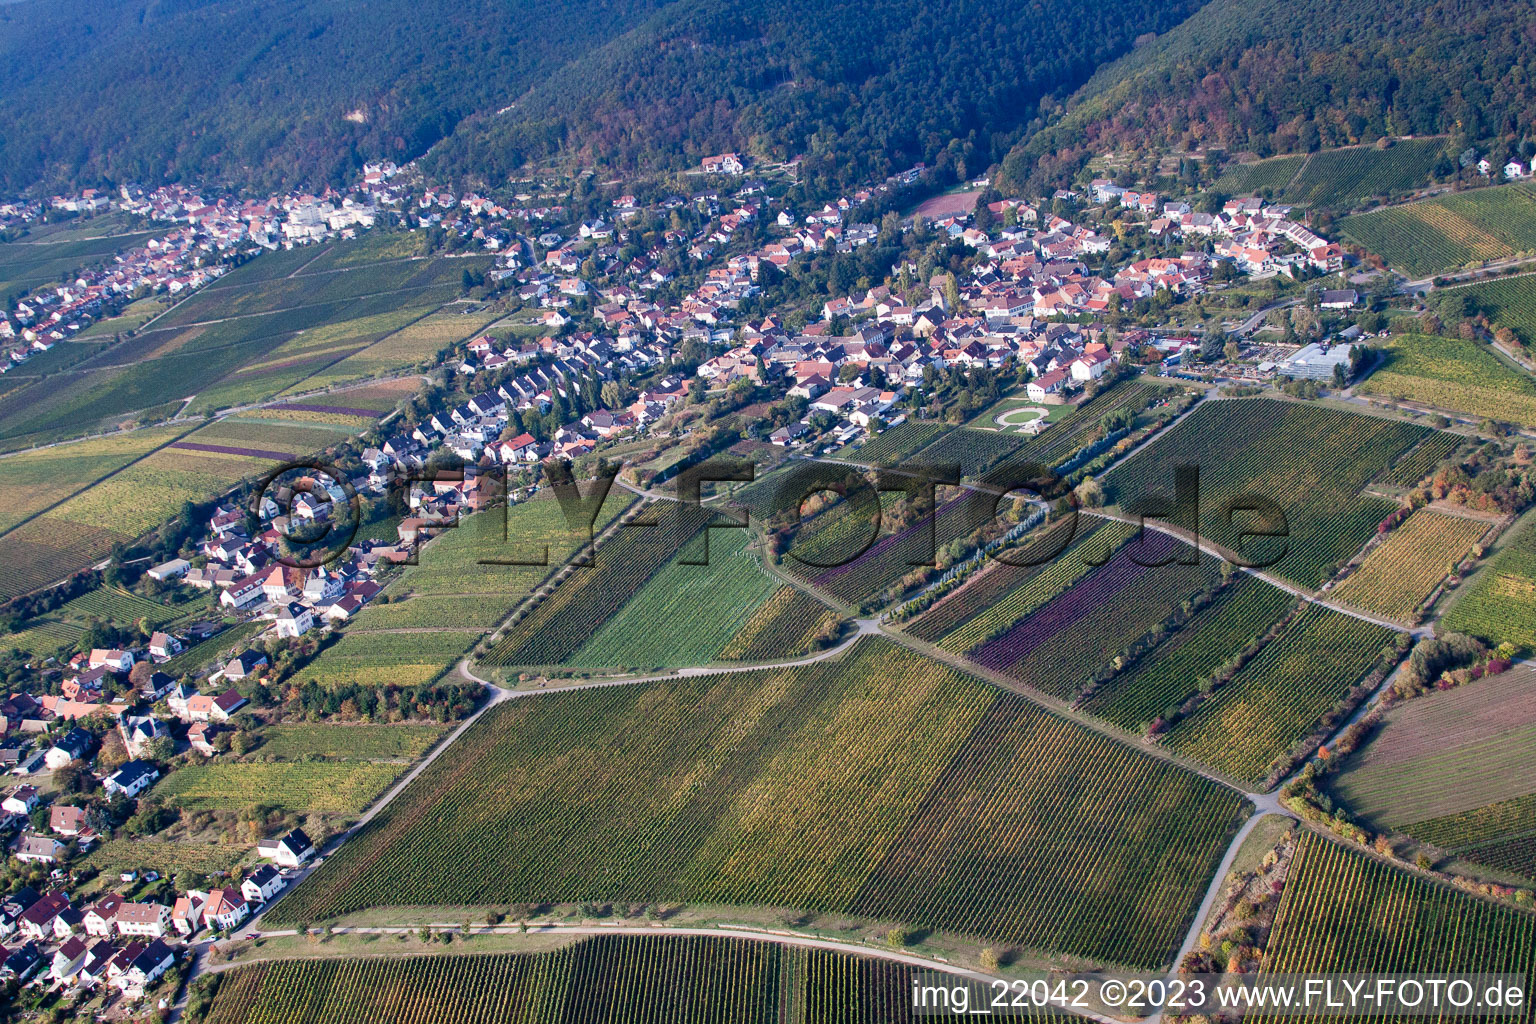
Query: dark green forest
(1297, 77)
(302, 92)
(257, 93)
(859, 89)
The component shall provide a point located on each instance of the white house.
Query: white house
(131, 779)
(149, 919)
(170, 570)
(261, 884)
(290, 851)
(294, 620)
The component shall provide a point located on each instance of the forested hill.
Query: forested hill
(1292, 77)
(258, 91)
(859, 87)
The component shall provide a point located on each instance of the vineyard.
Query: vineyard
(347, 742)
(118, 855)
(1449, 231)
(974, 451)
(607, 979)
(32, 481)
(1311, 462)
(991, 603)
(1169, 673)
(1343, 912)
(371, 658)
(1448, 755)
(897, 554)
(1266, 176)
(1418, 464)
(1495, 604)
(785, 626)
(1057, 648)
(1281, 695)
(1396, 577)
(315, 787)
(685, 614)
(1454, 374)
(412, 345)
(430, 612)
(1341, 178)
(865, 785)
(456, 561)
(559, 624)
(1507, 302)
(894, 445)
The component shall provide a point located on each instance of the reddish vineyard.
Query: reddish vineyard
(1058, 647)
(894, 555)
(606, 980)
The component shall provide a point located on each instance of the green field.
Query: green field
(1344, 178)
(633, 979)
(347, 742)
(1422, 461)
(1281, 695)
(885, 784)
(1495, 604)
(164, 856)
(1343, 912)
(1312, 463)
(1172, 671)
(685, 614)
(1456, 375)
(313, 787)
(1449, 231)
(787, 625)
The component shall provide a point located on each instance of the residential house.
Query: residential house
(188, 912)
(74, 745)
(37, 920)
(261, 884)
(22, 963)
(146, 969)
(100, 917)
(42, 849)
(137, 731)
(151, 919)
(164, 646)
(290, 851)
(21, 800)
(225, 909)
(131, 779)
(244, 664)
(112, 660)
(67, 960)
(294, 620)
(69, 821)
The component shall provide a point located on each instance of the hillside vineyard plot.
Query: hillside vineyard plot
(1496, 603)
(1056, 648)
(1313, 463)
(559, 624)
(1396, 577)
(884, 784)
(603, 980)
(1344, 912)
(1450, 231)
(1282, 694)
(1454, 374)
